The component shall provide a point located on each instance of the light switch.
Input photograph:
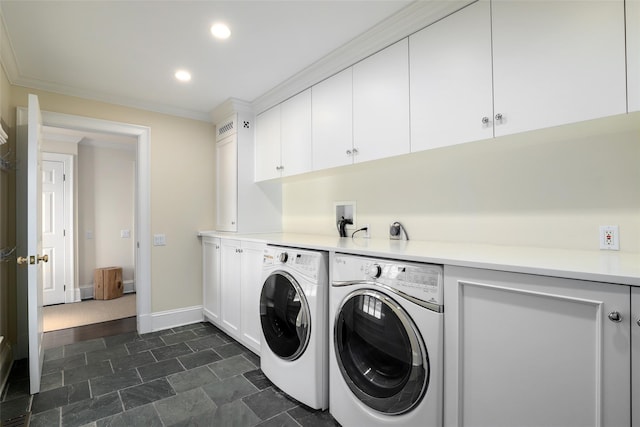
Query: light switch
(159, 240)
(125, 234)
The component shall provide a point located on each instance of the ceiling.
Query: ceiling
(126, 52)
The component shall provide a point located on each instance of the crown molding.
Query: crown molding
(7, 55)
(229, 107)
(414, 17)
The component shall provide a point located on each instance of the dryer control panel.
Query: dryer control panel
(418, 280)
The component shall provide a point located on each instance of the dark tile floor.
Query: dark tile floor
(195, 375)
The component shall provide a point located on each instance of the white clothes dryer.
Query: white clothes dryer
(293, 317)
(386, 344)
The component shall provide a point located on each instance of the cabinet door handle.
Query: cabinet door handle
(355, 151)
(615, 316)
(638, 321)
(485, 120)
(349, 152)
(499, 116)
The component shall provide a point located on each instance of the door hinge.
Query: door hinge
(64, 233)
(64, 176)
(64, 288)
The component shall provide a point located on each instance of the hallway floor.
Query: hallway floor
(195, 375)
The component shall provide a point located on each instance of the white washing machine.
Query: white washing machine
(386, 342)
(293, 317)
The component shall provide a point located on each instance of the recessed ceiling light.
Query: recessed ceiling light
(220, 31)
(183, 75)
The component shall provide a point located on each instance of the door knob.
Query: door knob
(22, 260)
(43, 258)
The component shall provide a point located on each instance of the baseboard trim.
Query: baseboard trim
(6, 361)
(174, 318)
(73, 295)
(88, 291)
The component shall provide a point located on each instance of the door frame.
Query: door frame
(142, 224)
(71, 293)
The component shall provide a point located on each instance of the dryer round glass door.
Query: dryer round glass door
(284, 315)
(380, 352)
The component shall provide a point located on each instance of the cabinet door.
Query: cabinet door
(295, 138)
(227, 184)
(211, 279)
(251, 284)
(267, 145)
(381, 104)
(635, 356)
(557, 62)
(633, 55)
(230, 300)
(332, 121)
(536, 350)
(451, 87)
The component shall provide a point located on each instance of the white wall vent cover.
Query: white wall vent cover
(226, 127)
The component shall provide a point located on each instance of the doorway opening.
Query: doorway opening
(140, 233)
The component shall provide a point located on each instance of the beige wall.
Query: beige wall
(549, 188)
(106, 191)
(182, 190)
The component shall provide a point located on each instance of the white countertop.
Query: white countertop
(600, 266)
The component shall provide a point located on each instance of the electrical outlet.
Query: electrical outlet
(609, 237)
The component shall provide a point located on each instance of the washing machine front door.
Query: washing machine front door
(284, 315)
(380, 352)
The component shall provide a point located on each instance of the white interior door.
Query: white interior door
(53, 234)
(29, 239)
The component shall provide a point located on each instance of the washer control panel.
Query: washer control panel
(308, 263)
(419, 280)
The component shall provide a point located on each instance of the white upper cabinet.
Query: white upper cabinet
(227, 184)
(332, 121)
(556, 62)
(633, 55)
(381, 104)
(295, 137)
(451, 88)
(267, 145)
(283, 139)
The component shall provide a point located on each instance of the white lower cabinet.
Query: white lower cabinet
(240, 273)
(531, 350)
(635, 356)
(250, 288)
(211, 279)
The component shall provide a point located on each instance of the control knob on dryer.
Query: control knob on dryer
(374, 271)
(283, 257)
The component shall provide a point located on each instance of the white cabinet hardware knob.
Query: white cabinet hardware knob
(485, 120)
(499, 116)
(349, 152)
(355, 151)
